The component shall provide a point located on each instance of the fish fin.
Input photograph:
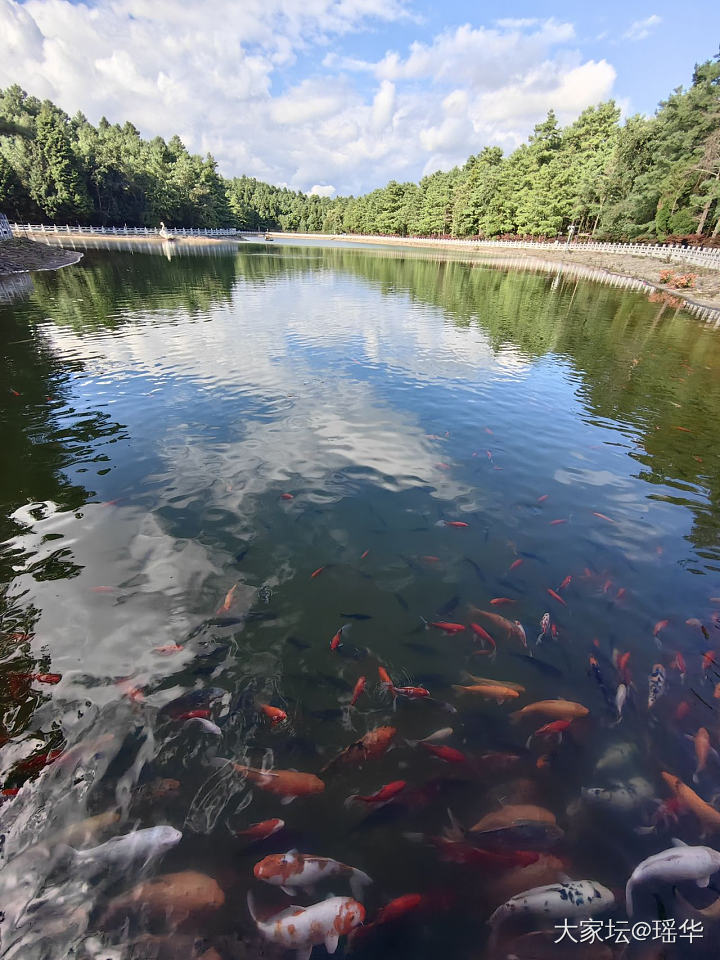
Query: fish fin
(331, 942)
(292, 853)
(695, 778)
(629, 904)
(564, 878)
(529, 741)
(676, 842)
(703, 882)
(286, 800)
(358, 881)
(351, 801)
(288, 890)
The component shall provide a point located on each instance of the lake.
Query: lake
(214, 461)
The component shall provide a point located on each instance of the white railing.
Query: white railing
(133, 231)
(702, 256)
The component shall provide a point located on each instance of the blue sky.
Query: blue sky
(339, 96)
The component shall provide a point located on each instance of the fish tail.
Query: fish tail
(358, 882)
(455, 830)
(252, 907)
(629, 904)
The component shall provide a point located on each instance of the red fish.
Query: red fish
(168, 648)
(262, 830)
(556, 728)
(448, 754)
(621, 593)
(488, 454)
(399, 907)
(500, 601)
(274, 714)
(683, 429)
(543, 498)
(384, 677)
(337, 639)
(40, 760)
(448, 627)
(555, 523)
(602, 517)
(411, 693)
(708, 659)
(11, 791)
(287, 496)
(358, 690)
(14, 392)
(678, 663)
(556, 596)
(430, 559)
(660, 625)
(694, 622)
(363, 555)
(482, 633)
(516, 563)
(228, 601)
(566, 582)
(456, 851)
(316, 573)
(38, 677)
(456, 523)
(195, 715)
(383, 795)
(682, 710)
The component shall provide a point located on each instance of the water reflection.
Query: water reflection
(191, 439)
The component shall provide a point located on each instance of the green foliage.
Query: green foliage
(651, 176)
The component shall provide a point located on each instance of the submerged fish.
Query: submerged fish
(553, 709)
(302, 928)
(656, 684)
(261, 830)
(293, 869)
(138, 845)
(173, 896)
(372, 745)
(572, 900)
(287, 784)
(680, 862)
(628, 797)
(617, 755)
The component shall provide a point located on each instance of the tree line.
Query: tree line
(649, 177)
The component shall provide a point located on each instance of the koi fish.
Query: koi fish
(554, 709)
(556, 523)
(449, 628)
(51, 678)
(411, 693)
(455, 851)
(448, 754)
(453, 523)
(501, 601)
(358, 690)
(620, 698)
(262, 830)
(274, 714)
(286, 496)
(435, 737)
(168, 648)
(286, 784)
(672, 866)
(228, 601)
(694, 622)
(302, 928)
(382, 796)
(660, 625)
(430, 559)
(678, 663)
(138, 845)
(516, 563)
(707, 815)
(574, 899)
(338, 638)
(316, 573)
(556, 596)
(520, 632)
(701, 742)
(544, 629)
(488, 681)
(483, 634)
(556, 728)
(512, 814)
(488, 692)
(40, 760)
(385, 679)
(364, 554)
(708, 660)
(602, 516)
(566, 582)
(373, 745)
(293, 870)
(507, 628)
(543, 498)
(656, 684)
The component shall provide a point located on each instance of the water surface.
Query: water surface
(155, 411)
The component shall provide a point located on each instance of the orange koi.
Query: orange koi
(556, 709)
(316, 573)
(386, 793)
(411, 693)
(286, 496)
(358, 690)
(200, 714)
(516, 563)
(168, 648)
(373, 745)
(448, 754)
(455, 523)
(262, 830)
(501, 601)
(708, 816)
(449, 628)
(430, 559)
(660, 625)
(701, 742)
(287, 784)
(228, 601)
(678, 663)
(566, 582)
(363, 555)
(488, 691)
(337, 639)
(556, 596)
(602, 516)
(274, 714)
(556, 523)
(543, 498)
(708, 659)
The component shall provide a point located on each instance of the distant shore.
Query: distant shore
(705, 293)
(21, 255)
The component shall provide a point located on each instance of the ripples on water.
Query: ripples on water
(155, 411)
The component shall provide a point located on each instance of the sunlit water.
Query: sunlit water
(154, 413)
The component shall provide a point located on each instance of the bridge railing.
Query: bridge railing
(132, 231)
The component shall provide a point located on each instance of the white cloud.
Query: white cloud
(270, 89)
(641, 29)
(322, 190)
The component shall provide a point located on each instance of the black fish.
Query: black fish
(239, 557)
(298, 643)
(401, 600)
(447, 608)
(356, 616)
(541, 665)
(476, 568)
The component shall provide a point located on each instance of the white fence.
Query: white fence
(125, 231)
(5, 231)
(701, 256)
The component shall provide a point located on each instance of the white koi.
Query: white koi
(302, 928)
(572, 899)
(680, 862)
(293, 870)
